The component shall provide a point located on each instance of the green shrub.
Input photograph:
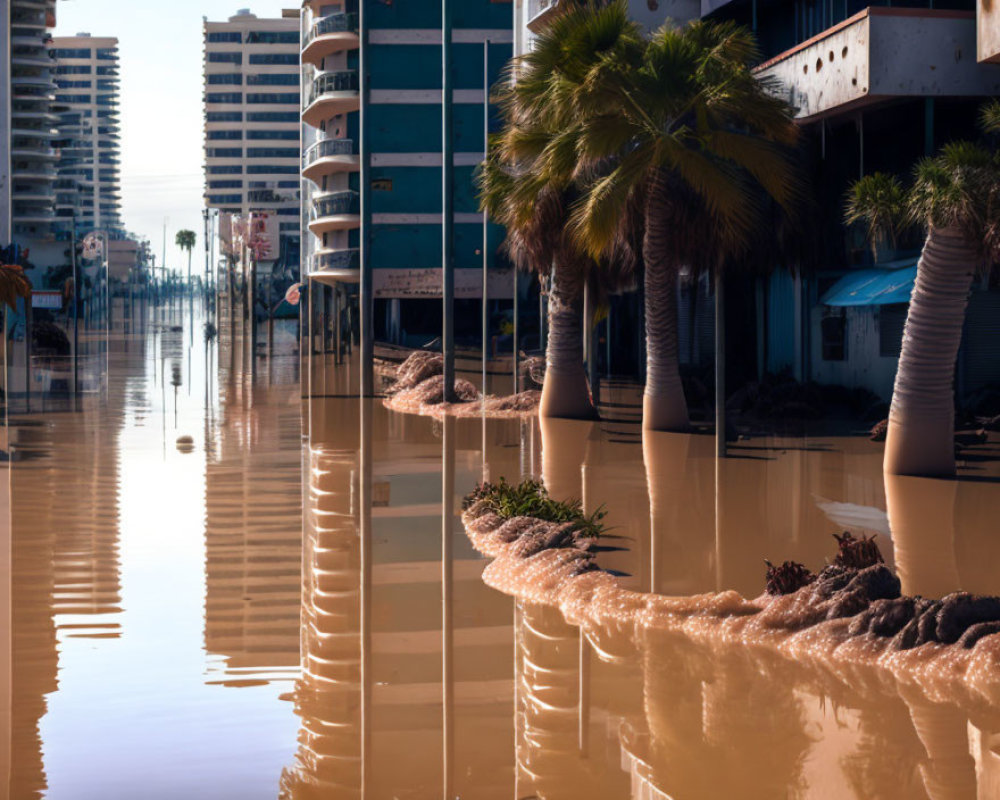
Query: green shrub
(531, 499)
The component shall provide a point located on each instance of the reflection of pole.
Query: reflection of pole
(486, 149)
(447, 600)
(447, 208)
(27, 351)
(720, 366)
(76, 311)
(517, 338)
(366, 592)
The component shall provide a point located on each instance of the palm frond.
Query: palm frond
(14, 284)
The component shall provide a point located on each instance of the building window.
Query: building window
(224, 152)
(273, 37)
(289, 135)
(107, 54)
(225, 58)
(232, 79)
(272, 116)
(272, 80)
(70, 52)
(225, 134)
(225, 184)
(218, 199)
(227, 169)
(73, 69)
(224, 97)
(107, 70)
(271, 97)
(73, 84)
(289, 59)
(891, 320)
(272, 152)
(833, 328)
(271, 169)
(224, 36)
(224, 116)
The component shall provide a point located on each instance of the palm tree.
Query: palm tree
(697, 140)
(185, 240)
(528, 184)
(956, 196)
(14, 284)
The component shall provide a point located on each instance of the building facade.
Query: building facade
(400, 164)
(252, 101)
(89, 167)
(28, 154)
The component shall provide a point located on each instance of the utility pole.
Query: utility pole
(486, 233)
(448, 208)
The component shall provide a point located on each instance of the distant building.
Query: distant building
(252, 98)
(89, 185)
(401, 162)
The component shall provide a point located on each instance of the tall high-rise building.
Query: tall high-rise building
(401, 161)
(89, 186)
(252, 117)
(32, 125)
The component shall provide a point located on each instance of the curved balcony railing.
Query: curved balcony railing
(335, 204)
(341, 81)
(326, 148)
(337, 260)
(334, 23)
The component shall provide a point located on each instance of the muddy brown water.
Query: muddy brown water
(293, 610)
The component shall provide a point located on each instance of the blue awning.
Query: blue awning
(880, 286)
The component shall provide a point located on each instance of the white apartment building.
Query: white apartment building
(29, 154)
(252, 96)
(89, 185)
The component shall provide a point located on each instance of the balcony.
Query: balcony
(328, 157)
(335, 211)
(329, 35)
(331, 93)
(542, 12)
(880, 54)
(336, 266)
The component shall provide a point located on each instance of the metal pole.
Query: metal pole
(366, 304)
(486, 150)
(517, 337)
(447, 208)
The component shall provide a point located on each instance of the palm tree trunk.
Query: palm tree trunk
(664, 407)
(565, 393)
(920, 439)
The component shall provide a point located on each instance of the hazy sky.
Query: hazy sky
(161, 107)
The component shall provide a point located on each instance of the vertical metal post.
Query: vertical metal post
(76, 311)
(27, 352)
(517, 337)
(447, 208)
(366, 303)
(366, 591)
(486, 150)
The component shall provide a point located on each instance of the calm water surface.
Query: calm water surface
(290, 608)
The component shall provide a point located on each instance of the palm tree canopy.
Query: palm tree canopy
(186, 239)
(880, 201)
(689, 117)
(13, 284)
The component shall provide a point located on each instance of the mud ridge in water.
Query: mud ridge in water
(848, 618)
(419, 389)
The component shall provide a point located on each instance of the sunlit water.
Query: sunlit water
(290, 608)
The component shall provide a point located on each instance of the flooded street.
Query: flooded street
(289, 607)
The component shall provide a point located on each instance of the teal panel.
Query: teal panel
(417, 128)
(417, 190)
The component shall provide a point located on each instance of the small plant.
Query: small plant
(530, 498)
(788, 578)
(857, 553)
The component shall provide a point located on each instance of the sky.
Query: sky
(160, 46)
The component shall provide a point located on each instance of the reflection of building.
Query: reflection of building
(253, 534)
(87, 81)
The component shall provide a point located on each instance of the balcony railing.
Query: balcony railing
(335, 23)
(337, 260)
(326, 148)
(343, 81)
(330, 205)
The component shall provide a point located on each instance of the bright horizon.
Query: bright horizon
(161, 106)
